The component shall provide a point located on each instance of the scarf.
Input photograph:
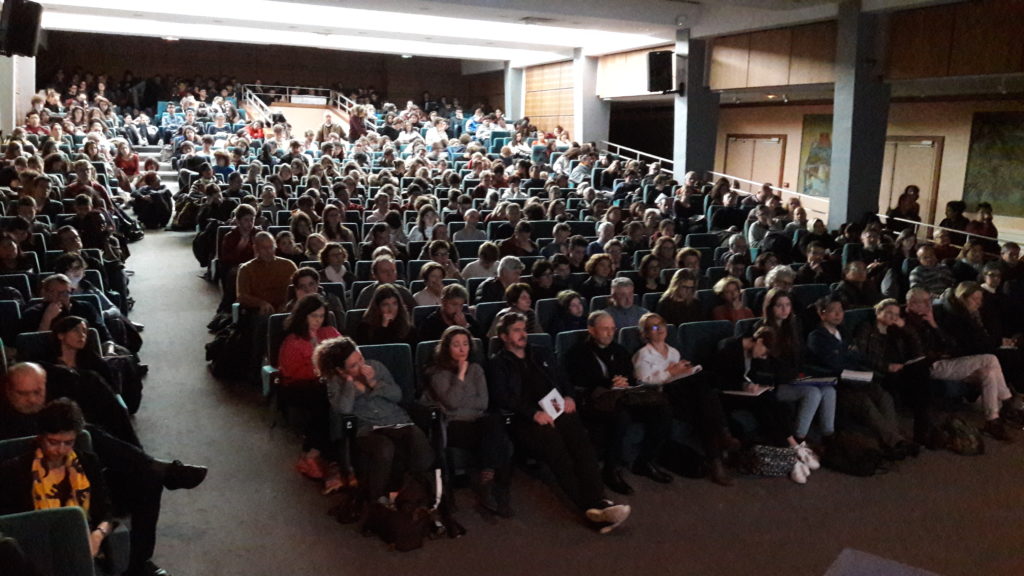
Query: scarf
(49, 492)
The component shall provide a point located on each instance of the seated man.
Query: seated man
(930, 274)
(730, 216)
(510, 269)
(603, 368)
(57, 304)
(453, 298)
(818, 269)
(621, 307)
(471, 231)
(384, 271)
(136, 479)
(518, 378)
(263, 281)
(235, 248)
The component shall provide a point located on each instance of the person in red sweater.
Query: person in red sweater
(235, 248)
(300, 387)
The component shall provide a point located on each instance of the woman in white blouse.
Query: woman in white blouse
(693, 401)
(432, 275)
(657, 362)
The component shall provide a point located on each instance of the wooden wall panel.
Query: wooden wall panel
(813, 55)
(920, 41)
(987, 38)
(625, 73)
(548, 95)
(768, 64)
(730, 58)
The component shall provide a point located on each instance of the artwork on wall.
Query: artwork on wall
(995, 162)
(815, 155)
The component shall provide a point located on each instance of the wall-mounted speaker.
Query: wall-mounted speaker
(19, 27)
(659, 71)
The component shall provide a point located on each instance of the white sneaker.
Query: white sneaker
(613, 516)
(800, 473)
(807, 456)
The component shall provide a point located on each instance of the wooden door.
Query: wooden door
(758, 158)
(911, 160)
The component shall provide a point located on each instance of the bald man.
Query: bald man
(136, 479)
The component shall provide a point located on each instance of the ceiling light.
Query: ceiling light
(171, 38)
(406, 55)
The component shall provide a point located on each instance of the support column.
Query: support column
(696, 109)
(861, 117)
(17, 85)
(515, 92)
(591, 115)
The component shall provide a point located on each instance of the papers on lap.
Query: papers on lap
(857, 376)
(553, 404)
(827, 381)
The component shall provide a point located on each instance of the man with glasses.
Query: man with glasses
(621, 306)
(57, 304)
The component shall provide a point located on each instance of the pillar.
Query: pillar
(591, 115)
(515, 92)
(696, 108)
(17, 85)
(861, 117)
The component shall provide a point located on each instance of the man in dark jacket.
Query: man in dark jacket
(604, 369)
(519, 378)
(57, 304)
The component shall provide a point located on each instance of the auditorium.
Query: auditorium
(701, 287)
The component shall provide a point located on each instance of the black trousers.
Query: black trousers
(311, 400)
(566, 449)
(695, 401)
(385, 452)
(774, 417)
(614, 426)
(912, 387)
(486, 438)
(135, 488)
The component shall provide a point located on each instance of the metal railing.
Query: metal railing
(262, 93)
(634, 154)
(255, 103)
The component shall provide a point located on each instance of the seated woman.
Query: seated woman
(664, 249)
(599, 283)
(444, 253)
(333, 261)
(386, 321)
(518, 298)
(542, 281)
(856, 289)
(301, 388)
(459, 387)
(728, 290)
(865, 405)
(743, 371)
(649, 276)
(695, 401)
(426, 219)
(570, 315)
(968, 266)
(679, 304)
(432, 275)
(786, 357)
(520, 243)
(52, 474)
(288, 249)
(334, 231)
(385, 434)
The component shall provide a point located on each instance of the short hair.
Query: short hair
(244, 210)
(510, 263)
(331, 355)
(60, 415)
(455, 292)
(304, 272)
(766, 334)
(594, 260)
(54, 279)
(724, 282)
(621, 281)
(515, 291)
(506, 321)
(822, 304)
(430, 267)
(782, 270)
(885, 303)
(596, 315)
(378, 260)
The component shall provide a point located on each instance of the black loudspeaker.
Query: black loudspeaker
(19, 27)
(659, 71)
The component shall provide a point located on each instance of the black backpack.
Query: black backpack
(230, 355)
(854, 454)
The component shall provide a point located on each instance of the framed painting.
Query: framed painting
(815, 155)
(995, 163)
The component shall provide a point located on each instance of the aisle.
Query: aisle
(255, 516)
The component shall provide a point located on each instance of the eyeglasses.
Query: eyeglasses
(655, 327)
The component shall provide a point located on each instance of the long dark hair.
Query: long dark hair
(297, 322)
(786, 330)
(373, 316)
(442, 352)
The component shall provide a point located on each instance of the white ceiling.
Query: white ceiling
(521, 32)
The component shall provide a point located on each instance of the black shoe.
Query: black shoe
(651, 471)
(178, 475)
(613, 479)
(139, 327)
(504, 498)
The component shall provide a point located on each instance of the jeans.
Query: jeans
(820, 400)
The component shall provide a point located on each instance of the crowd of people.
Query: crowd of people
(516, 253)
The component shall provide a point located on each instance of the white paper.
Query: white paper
(553, 404)
(857, 375)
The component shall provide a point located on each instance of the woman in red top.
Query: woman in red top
(732, 309)
(301, 388)
(255, 130)
(127, 164)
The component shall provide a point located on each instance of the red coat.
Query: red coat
(295, 360)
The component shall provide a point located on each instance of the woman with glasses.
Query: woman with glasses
(679, 303)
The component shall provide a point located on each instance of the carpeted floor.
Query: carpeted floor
(255, 516)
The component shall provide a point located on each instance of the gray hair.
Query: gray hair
(510, 263)
(621, 281)
(783, 271)
(597, 315)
